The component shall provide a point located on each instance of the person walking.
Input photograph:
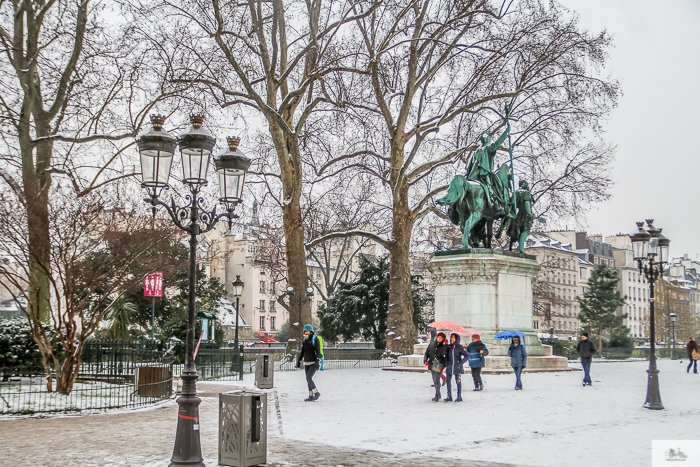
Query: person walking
(586, 350)
(311, 355)
(477, 351)
(454, 365)
(435, 358)
(518, 360)
(693, 355)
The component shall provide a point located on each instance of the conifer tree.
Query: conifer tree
(600, 302)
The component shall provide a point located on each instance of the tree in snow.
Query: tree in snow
(600, 303)
(360, 308)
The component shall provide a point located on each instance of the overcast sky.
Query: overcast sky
(655, 126)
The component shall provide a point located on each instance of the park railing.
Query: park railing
(619, 353)
(113, 374)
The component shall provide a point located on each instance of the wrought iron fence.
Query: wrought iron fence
(618, 353)
(112, 374)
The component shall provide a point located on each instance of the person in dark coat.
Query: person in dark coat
(454, 365)
(435, 358)
(311, 355)
(691, 347)
(586, 350)
(477, 351)
(432, 343)
(518, 360)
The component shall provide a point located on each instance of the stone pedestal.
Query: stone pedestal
(490, 291)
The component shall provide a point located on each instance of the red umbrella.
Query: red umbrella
(450, 326)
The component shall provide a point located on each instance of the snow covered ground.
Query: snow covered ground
(554, 421)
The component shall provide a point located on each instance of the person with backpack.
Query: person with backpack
(518, 360)
(454, 365)
(693, 355)
(312, 355)
(435, 358)
(586, 350)
(477, 351)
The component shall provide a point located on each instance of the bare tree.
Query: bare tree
(435, 74)
(75, 90)
(97, 253)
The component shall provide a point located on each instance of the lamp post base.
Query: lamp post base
(188, 450)
(653, 401)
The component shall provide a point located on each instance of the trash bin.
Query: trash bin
(242, 428)
(264, 371)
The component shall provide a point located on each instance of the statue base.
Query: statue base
(490, 291)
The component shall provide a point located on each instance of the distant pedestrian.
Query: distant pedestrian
(477, 351)
(586, 350)
(435, 358)
(311, 354)
(693, 355)
(454, 365)
(518, 360)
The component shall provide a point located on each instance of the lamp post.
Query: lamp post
(300, 301)
(237, 291)
(156, 149)
(647, 245)
(673, 338)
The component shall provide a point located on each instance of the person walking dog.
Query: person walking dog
(693, 355)
(454, 365)
(586, 350)
(435, 358)
(518, 360)
(311, 355)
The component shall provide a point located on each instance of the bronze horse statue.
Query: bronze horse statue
(474, 210)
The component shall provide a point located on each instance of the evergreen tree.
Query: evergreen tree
(360, 308)
(600, 302)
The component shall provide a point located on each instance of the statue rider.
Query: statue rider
(480, 169)
(524, 218)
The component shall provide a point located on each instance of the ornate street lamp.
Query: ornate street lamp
(237, 291)
(673, 338)
(646, 246)
(156, 148)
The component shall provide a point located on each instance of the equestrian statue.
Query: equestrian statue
(483, 196)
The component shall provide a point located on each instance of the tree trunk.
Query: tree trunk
(401, 332)
(287, 147)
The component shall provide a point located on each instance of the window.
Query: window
(262, 323)
(262, 305)
(272, 305)
(584, 273)
(318, 273)
(318, 304)
(262, 271)
(272, 323)
(262, 286)
(536, 325)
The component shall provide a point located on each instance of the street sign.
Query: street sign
(153, 285)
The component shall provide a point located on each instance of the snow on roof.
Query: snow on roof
(226, 313)
(540, 240)
(584, 262)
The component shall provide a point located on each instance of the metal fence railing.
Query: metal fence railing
(617, 353)
(112, 374)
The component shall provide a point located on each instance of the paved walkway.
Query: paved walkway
(145, 438)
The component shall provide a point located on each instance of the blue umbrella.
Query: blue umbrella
(506, 335)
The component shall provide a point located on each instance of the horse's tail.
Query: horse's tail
(456, 192)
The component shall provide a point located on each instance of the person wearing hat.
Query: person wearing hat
(435, 357)
(586, 350)
(477, 351)
(693, 355)
(518, 360)
(311, 354)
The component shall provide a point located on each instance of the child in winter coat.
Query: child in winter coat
(435, 358)
(454, 365)
(477, 351)
(518, 360)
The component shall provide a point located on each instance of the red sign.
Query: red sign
(153, 285)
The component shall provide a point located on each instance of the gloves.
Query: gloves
(298, 363)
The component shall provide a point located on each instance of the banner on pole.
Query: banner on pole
(153, 285)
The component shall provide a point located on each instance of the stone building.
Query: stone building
(554, 294)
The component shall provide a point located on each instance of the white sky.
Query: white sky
(657, 60)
